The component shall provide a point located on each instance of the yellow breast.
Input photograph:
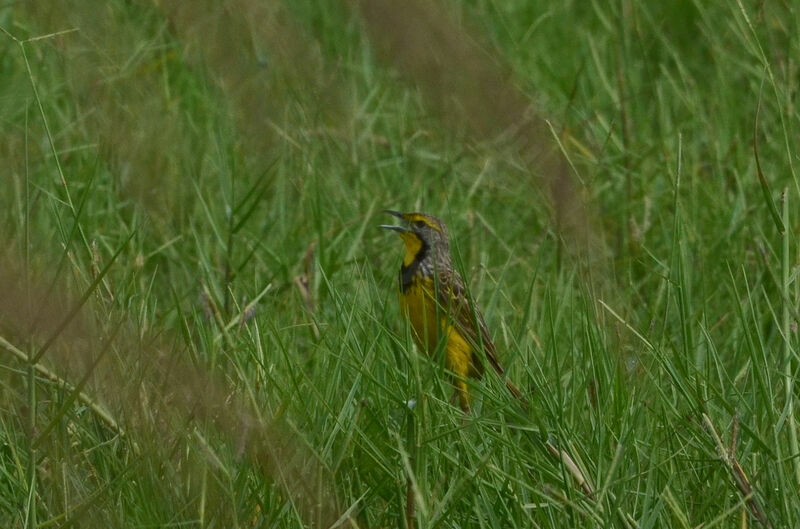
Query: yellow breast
(430, 322)
(418, 305)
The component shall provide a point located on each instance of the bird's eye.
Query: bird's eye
(419, 224)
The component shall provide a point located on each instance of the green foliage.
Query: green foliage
(209, 181)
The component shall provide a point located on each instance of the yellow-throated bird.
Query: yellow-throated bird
(435, 301)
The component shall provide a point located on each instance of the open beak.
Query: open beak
(397, 214)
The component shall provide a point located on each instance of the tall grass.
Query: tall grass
(198, 319)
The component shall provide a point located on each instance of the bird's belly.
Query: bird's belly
(429, 323)
(419, 307)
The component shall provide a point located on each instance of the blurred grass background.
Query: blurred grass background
(198, 317)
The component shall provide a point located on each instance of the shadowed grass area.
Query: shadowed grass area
(198, 322)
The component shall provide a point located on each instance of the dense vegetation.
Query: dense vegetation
(198, 316)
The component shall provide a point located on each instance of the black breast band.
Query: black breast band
(407, 273)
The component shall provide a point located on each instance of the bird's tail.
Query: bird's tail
(512, 388)
(517, 393)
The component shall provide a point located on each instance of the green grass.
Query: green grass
(198, 313)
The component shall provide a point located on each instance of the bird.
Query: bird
(438, 307)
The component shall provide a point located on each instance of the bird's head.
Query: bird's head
(422, 234)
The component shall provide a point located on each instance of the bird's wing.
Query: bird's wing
(466, 316)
